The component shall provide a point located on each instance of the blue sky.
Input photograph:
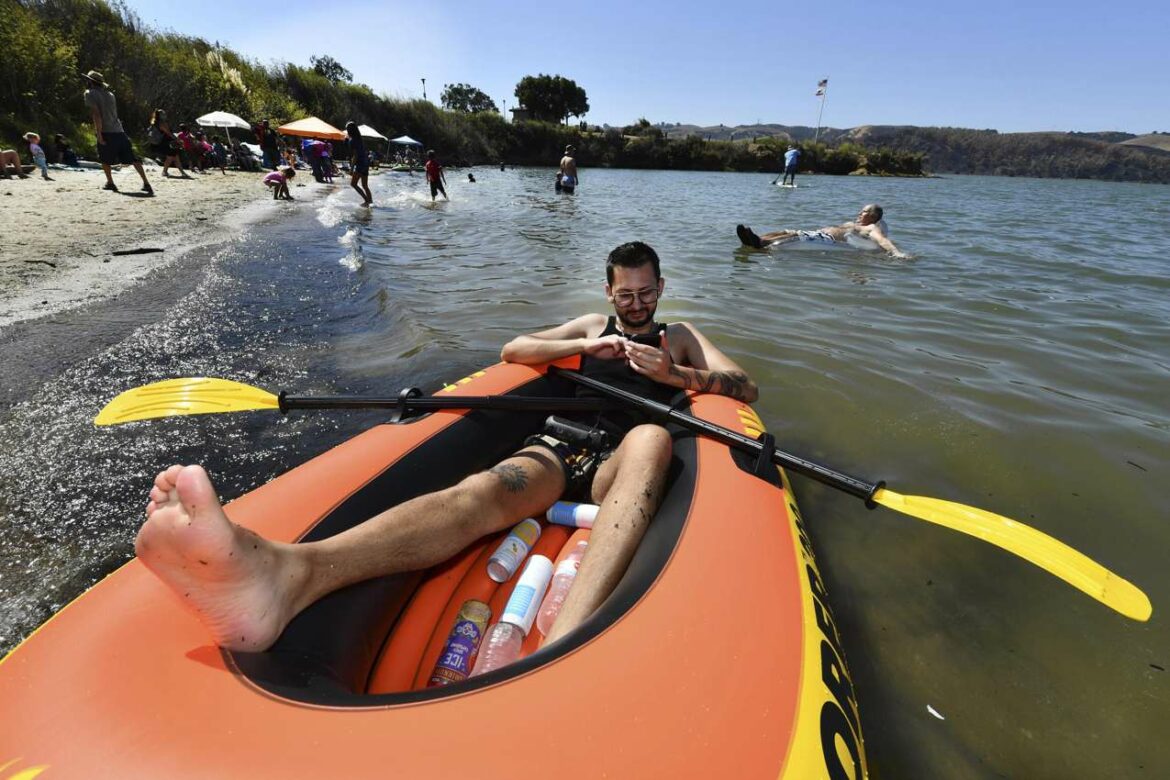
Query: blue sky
(1012, 66)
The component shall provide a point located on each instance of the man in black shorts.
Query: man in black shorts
(112, 142)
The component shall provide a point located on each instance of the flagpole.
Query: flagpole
(824, 94)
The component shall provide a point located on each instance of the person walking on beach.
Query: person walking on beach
(791, 160)
(245, 589)
(360, 163)
(37, 153)
(164, 144)
(435, 176)
(112, 142)
(869, 224)
(567, 175)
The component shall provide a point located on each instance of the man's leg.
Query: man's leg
(141, 172)
(246, 589)
(628, 487)
(749, 238)
(778, 236)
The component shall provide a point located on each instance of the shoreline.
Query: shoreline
(61, 253)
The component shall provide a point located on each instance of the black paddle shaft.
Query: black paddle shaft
(823, 474)
(411, 400)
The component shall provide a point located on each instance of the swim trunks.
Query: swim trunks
(579, 462)
(569, 182)
(815, 235)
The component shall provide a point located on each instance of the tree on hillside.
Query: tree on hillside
(466, 98)
(552, 98)
(330, 69)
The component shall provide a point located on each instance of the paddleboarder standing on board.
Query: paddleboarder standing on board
(869, 225)
(791, 160)
(246, 589)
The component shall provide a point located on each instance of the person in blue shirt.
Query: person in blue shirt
(791, 160)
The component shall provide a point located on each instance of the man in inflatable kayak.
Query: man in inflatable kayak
(246, 589)
(869, 225)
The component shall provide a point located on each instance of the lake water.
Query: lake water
(1018, 363)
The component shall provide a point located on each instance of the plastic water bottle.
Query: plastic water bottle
(454, 664)
(572, 515)
(502, 644)
(558, 591)
(507, 557)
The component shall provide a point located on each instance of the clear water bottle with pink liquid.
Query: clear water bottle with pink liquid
(558, 591)
(502, 644)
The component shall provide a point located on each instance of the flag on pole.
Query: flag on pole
(822, 85)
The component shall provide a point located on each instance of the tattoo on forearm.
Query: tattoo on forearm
(729, 383)
(513, 477)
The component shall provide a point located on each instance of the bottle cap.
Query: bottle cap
(525, 600)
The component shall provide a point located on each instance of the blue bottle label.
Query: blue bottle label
(454, 662)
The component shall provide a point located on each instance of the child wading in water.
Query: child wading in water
(38, 154)
(278, 181)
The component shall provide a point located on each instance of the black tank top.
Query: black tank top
(617, 373)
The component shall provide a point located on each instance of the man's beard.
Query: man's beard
(645, 316)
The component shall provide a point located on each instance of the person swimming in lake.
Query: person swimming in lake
(869, 224)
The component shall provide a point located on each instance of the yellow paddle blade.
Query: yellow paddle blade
(193, 395)
(1049, 554)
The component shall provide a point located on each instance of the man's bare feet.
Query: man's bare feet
(244, 588)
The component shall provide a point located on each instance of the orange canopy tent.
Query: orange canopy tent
(312, 127)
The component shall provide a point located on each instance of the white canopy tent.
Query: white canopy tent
(369, 132)
(406, 140)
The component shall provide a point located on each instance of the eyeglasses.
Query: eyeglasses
(645, 296)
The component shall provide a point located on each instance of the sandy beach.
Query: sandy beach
(63, 234)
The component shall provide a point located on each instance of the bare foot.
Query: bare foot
(243, 587)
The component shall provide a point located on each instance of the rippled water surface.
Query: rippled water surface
(1019, 363)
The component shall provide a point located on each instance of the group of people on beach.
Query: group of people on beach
(187, 149)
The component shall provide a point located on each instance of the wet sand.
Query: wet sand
(61, 236)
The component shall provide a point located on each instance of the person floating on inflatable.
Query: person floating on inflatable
(869, 225)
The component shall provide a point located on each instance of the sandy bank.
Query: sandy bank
(61, 235)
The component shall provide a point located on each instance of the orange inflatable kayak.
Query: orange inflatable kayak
(716, 656)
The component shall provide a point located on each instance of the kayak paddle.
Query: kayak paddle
(1050, 554)
(206, 395)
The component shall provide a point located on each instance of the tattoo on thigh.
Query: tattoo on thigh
(512, 476)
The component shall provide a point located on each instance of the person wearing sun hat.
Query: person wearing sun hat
(112, 142)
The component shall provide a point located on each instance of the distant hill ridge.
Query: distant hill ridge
(1110, 155)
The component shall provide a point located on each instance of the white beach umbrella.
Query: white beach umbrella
(225, 120)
